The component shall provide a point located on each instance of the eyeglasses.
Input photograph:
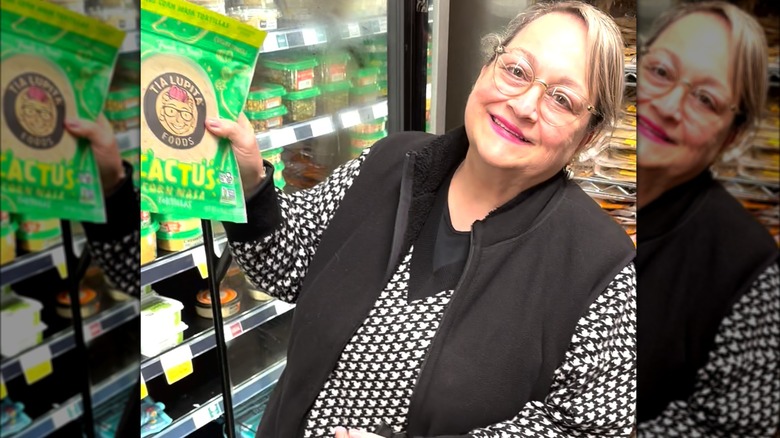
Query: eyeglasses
(660, 73)
(513, 76)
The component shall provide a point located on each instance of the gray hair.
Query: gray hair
(604, 56)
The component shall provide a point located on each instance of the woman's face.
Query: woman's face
(678, 133)
(555, 46)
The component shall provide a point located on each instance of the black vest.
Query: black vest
(698, 252)
(534, 268)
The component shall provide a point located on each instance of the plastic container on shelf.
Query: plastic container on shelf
(123, 96)
(149, 242)
(154, 343)
(89, 301)
(366, 76)
(358, 142)
(33, 242)
(272, 118)
(383, 88)
(333, 67)
(212, 5)
(20, 313)
(176, 224)
(256, 16)
(160, 314)
(230, 302)
(14, 418)
(124, 120)
(146, 219)
(364, 95)
(235, 279)
(334, 97)
(7, 242)
(264, 96)
(371, 127)
(176, 234)
(294, 73)
(14, 341)
(301, 105)
(375, 44)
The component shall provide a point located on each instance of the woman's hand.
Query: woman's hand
(242, 137)
(353, 433)
(104, 147)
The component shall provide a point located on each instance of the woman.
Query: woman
(459, 284)
(708, 305)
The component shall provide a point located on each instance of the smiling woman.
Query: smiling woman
(461, 284)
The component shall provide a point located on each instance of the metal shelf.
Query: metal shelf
(742, 188)
(171, 264)
(363, 28)
(213, 409)
(28, 265)
(64, 341)
(320, 126)
(234, 328)
(606, 189)
(72, 409)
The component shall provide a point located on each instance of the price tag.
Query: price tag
(65, 415)
(310, 37)
(353, 30)
(177, 364)
(93, 330)
(380, 109)
(321, 126)
(282, 307)
(206, 415)
(283, 137)
(233, 330)
(270, 43)
(3, 389)
(383, 25)
(350, 119)
(199, 259)
(144, 391)
(36, 364)
(58, 260)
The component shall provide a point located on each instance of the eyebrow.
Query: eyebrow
(564, 80)
(706, 80)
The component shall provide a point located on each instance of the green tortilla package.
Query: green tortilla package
(56, 64)
(195, 64)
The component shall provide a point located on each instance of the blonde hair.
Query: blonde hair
(604, 55)
(749, 79)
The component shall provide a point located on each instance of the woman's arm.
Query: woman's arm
(737, 393)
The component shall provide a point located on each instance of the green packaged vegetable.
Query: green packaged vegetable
(56, 64)
(195, 64)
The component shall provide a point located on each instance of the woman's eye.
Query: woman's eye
(706, 100)
(563, 101)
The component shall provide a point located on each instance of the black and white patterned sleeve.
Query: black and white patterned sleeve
(116, 245)
(593, 393)
(737, 392)
(277, 261)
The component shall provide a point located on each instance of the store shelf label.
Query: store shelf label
(93, 330)
(353, 30)
(310, 37)
(233, 330)
(65, 415)
(283, 137)
(322, 126)
(3, 389)
(380, 110)
(36, 364)
(144, 391)
(206, 415)
(58, 260)
(383, 25)
(350, 119)
(177, 364)
(199, 260)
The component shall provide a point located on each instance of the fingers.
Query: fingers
(99, 133)
(341, 432)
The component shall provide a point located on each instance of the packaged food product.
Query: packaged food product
(264, 96)
(149, 242)
(259, 17)
(156, 418)
(146, 218)
(89, 300)
(236, 280)
(376, 44)
(217, 6)
(170, 223)
(358, 142)
(364, 95)
(153, 344)
(308, 162)
(76, 6)
(38, 241)
(160, 314)
(179, 241)
(366, 76)
(20, 313)
(293, 73)
(230, 302)
(125, 120)
(122, 14)
(371, 127)
(383, 93)
(196, 64)
(272, 118)
(14, 418)
(610, 171)
(7, 242)
(334, 97)
(301, 105)
(14, 341)
(333, 67)
(43, 70)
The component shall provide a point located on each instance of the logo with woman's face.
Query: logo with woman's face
(175, 110)
(34, 110)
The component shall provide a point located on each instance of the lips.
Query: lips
(508, 130)
(652, 131)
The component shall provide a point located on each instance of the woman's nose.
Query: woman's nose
(526, 105)
(670, 104)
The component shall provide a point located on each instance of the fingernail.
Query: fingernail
(214, 123)
(72, 123)
(355, 433)
(339, 429)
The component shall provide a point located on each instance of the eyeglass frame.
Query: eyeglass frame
(733, 107)
(502, 49)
